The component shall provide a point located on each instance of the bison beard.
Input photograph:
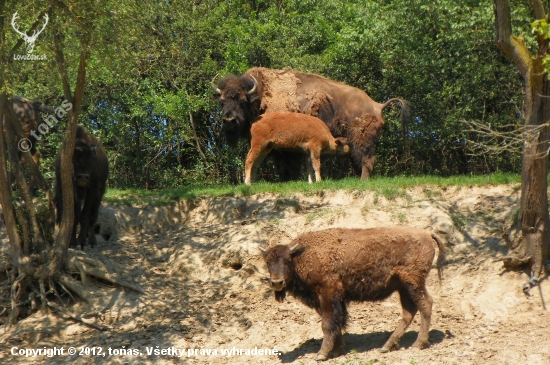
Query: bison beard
(327, 269)
(336, 104)
(90, 173)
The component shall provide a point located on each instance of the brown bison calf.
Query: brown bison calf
(328, 269)
(291, 132)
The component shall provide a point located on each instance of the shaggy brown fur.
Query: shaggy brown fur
(328, 269)
(90, 173)
(291, 132)
(335, 103)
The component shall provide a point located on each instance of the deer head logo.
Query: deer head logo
(29, 39)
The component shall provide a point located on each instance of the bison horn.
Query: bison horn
(293, 248)
(253, 90)
(262, 249)
(216, 89)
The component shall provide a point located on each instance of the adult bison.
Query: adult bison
(90, 172)
(349, 112)
(328, 269)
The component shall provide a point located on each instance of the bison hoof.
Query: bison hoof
(320, 357)
(388, 346)
(420, 344)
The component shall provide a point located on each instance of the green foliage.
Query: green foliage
(148, 94)
(542, 28)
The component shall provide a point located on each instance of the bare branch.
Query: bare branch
(509, 138)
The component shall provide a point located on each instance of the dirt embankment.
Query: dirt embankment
(205, 291)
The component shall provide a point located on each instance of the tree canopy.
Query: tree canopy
(148, 95)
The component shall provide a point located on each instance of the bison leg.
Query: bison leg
(316, 163)
(367, 165)
(92, 241)
(255, 157)
(424, 302)
(333, 319)
(85, 218)
(76, 220)
(409, 310)
(73, 233)
(93, 219)
(310, 170)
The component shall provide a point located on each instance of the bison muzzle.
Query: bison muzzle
(328, 269)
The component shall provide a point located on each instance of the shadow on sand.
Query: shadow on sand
(359, 342)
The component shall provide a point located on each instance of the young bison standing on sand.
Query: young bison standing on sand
(291, 132)
(328, 269)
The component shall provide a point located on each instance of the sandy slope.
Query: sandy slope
(205, 290)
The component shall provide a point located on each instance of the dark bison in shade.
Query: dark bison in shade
(328, 269)
(90, 173)
(348, 112)
(29, 114)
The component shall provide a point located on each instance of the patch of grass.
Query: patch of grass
(320, 213)
(485, 216)
(401, 217)
(391, 193)
(457, 217)
(514, 216)
(432, 194)
(389, 187)
(282, 203)
(275, 221)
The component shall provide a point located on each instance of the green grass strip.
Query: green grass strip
(384, 185)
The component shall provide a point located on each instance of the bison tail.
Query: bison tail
(440, 257)
(405, 113)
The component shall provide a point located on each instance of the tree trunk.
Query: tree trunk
(531, 247)
(61, 247)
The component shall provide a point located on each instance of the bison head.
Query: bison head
(83, 157)
(342, 145)
(281, 268)
(240, 103)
